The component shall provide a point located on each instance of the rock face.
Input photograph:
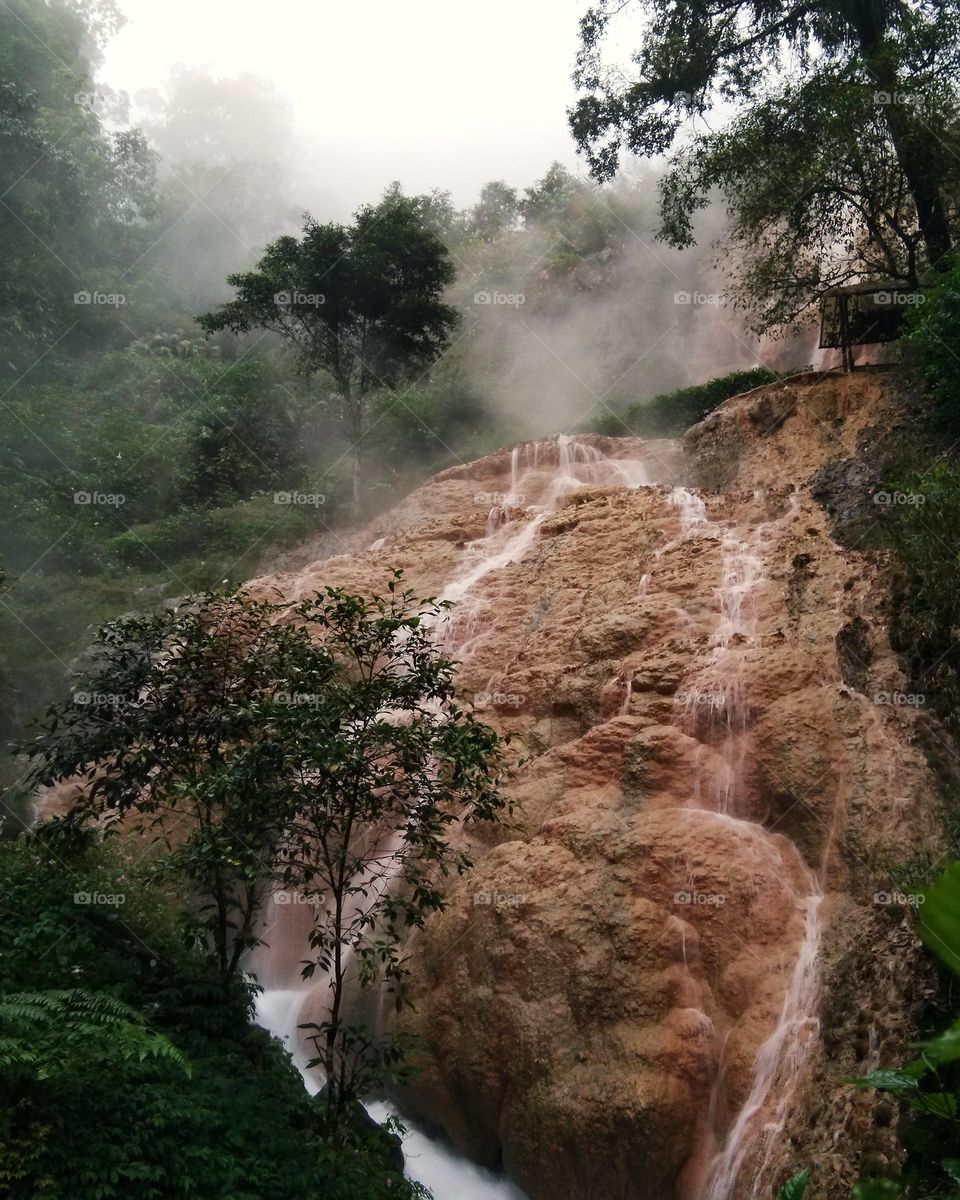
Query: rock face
(639, 993)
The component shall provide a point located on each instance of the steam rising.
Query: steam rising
(634, 319)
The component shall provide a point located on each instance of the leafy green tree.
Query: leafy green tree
(496, 211)
(806, 213)
(932, 342)
(551, 197)
(314, 745)
(361, 303)
(842, 146)
(926, 602)
(577, 221)
(75, 198)
(387, 764)
(171, 723)
(437, 212)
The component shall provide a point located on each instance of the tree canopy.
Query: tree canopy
(839, 157)
(314, 745)
(363, 303)
(73, 196)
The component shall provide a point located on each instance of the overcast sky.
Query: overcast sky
(435, 93)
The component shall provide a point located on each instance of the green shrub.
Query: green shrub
(672, 413)
(198, 537)
(932, 342)
(128, 1067)
(927, 1088)
(927, 595)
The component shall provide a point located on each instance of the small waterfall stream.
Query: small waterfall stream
(578, 464)
(775, 1070)
(427, 1161)
(281, 1005)
(717, 711)
(715, 708)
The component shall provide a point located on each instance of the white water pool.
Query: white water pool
(427, 1160)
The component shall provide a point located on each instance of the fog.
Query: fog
(635, 318)
(321, 107)
(429, 92)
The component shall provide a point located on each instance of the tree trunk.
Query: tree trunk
(913, 146)
(357, 477)
(353, 409)
(221, 925)
(914, 161)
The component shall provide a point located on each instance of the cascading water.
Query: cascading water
(692, 510)
(280, 1006)
(776, 1070)
(716, 708)
(578, 464)
(426, 1161)
(291, 1001)
(717, 711)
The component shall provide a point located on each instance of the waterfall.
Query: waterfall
(578, 464)
(692, 510)
(716, 702)
(730, 1150)
(512, 550)
(426, 1160)
(287, 1000)
(776, 1070)
(628, 692)
(717, 706)
(444, 1172)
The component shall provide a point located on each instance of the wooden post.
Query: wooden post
(847, 350)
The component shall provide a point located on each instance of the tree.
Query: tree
(806, 215)
(846, 128)
(437, 212)
(552, 197)
(495, 212)
(387, 764)
(314, 745)
(74, 198)
(576, 220)
(933, 338)
(169, 726)
(362, 303)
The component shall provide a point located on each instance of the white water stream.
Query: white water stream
(426, 1160)
(776, 1070)
(280, 1008)
(717, 708)
(578, 464)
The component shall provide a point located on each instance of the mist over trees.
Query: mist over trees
(839, 160)
(145, 461)
(226, 165)
(361, 303)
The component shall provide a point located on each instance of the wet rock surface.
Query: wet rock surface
(710, 790)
